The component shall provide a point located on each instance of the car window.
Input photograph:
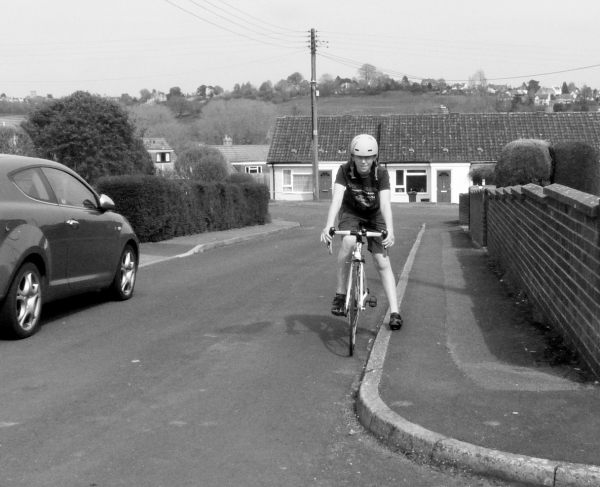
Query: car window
(31, 183)
(69, 190)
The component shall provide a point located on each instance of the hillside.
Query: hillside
(391, 102)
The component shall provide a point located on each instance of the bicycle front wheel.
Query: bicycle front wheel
(353, 307)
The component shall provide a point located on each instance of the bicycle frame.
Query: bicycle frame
(357, 291)
(357, 261)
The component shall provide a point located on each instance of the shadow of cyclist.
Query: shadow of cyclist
(332, 331)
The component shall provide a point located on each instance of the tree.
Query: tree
(532, 88)
(174, 91)
(266, 92)
(180, 105)
(159, 121)
(367, 73)
(145, 95)
(126, 99)
(246, 121)
(565, 88)
(15, 141)
(90, 134)
(201, 91)
(478, 81)
(202, 163)
(326, 85)
(295, 78)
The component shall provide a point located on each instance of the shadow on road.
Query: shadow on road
(332, 331)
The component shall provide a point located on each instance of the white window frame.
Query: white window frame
(290, 174)
(400, 188)
(417, 172)
(253, 169)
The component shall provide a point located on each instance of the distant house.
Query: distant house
(161, 153)
(428, 156)
(248, 159)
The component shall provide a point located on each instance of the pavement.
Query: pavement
(468, 382)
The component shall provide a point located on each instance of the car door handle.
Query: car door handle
(72, 223)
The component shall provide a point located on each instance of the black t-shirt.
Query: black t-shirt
(362, 194)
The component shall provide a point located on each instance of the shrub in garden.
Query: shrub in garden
(202, 164)
(160, 208)
(524, 161)
(483, 173)
(576, 165)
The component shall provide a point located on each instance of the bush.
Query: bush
(524, 161)
(160, 208)
(202, 164)
(239, 177)
(577, 166)
(16, 141)
(483, 173)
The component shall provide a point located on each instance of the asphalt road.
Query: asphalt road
(226, 368)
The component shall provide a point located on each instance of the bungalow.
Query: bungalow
(161, 153)
(428, 156)
(248, 159)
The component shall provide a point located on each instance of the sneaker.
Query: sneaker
(338, 305)
(395, 321)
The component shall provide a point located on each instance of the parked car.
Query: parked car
(58, 238)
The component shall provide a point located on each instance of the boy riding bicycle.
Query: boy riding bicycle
(361, 196)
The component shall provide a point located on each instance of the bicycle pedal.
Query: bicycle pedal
(372, 302)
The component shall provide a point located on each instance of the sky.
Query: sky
(111, 47)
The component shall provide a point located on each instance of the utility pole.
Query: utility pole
(313, 99)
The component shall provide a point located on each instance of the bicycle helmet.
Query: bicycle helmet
(364, 145)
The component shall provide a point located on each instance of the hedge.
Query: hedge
(160, 209)
(524, 161)
(577, 165)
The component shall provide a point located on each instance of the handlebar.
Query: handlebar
(363, 232)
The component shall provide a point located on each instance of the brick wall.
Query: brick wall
(463, 209)
(548, 239)
(477, 214)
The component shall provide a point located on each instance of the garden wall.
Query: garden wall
(548, 240)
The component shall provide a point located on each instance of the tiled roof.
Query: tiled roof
(156, 143)
(243, 153)
(441, 137)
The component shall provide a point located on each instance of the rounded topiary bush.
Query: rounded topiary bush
(524, 161)
(484, 173)
(576, 165)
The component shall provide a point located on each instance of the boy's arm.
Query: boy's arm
(334, 208)
(385, 203)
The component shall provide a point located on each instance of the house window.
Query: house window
(163, 157)
(253, 170)
(297, 182)
(400, 187)
(416, 180)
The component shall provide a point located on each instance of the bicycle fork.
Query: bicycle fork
(361, 281)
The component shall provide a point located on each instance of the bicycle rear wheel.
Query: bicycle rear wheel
(353, 307)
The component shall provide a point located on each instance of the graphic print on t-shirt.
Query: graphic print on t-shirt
(365, 198)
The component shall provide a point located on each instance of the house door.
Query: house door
(444, 195)
(325, 189)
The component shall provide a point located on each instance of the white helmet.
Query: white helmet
(364, 145)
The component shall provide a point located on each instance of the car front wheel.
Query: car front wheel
(22, 307)
(124, 281)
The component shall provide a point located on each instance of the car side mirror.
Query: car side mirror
(106, 203)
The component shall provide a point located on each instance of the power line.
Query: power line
(357, 64)
(225, 28)
(272, 27)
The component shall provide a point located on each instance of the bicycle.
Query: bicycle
(357, 292)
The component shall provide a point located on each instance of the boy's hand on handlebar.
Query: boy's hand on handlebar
(388, 240)
(326, 237)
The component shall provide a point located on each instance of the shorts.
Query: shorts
(351, 221)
